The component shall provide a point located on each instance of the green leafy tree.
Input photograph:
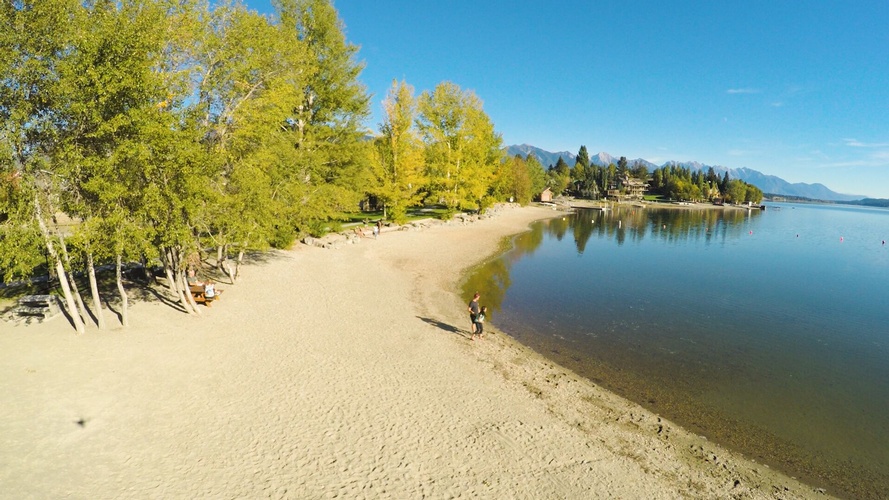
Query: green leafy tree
(107, 90)
(736, 191)
(399, 154)
(461, 146)
(249, 77)
(536, 173)
(753, 194)
(639, 171)
(36, 39)
(330, 155)
(513, 181)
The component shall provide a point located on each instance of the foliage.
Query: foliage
(681, 183)
(163, 128)
(398, 165)
(462, 150)
(558, 177)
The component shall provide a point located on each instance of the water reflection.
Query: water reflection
(673, 225)
(731, 322)
(622, 224)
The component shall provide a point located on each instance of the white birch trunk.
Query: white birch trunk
(124, 300)
(188, 296)
(81, 308)
(60, 271)
(94, 288)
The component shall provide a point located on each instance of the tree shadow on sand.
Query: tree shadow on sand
(446, 327)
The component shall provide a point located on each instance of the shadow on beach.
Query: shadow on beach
(446, 327)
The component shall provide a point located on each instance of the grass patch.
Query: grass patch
(417, 213)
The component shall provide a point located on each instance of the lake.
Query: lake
(765, 331)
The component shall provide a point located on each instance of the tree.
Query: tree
(108, 90)
(736, 191)
(622, 169)
(562, 168)
(399, 155)
(753, 194)
(583, 158)
(581, 165)
(461, 147)
(536, 173)
(639, 171)
(513, 181)
(330, 156)
(35, 39)
(712, 178)
(248, 79)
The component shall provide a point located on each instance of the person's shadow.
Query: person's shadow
(446, 327)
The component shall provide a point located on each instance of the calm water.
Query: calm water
(765, 331)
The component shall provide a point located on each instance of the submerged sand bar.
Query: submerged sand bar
(328, 373)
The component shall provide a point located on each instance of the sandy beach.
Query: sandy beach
(344, 373)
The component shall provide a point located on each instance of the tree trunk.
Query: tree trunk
(223, 262)
(170, 269)
(240, 261)
(187, 295)
(66, 291)
(124, 300)
(60, 270)
(221, 257)
(174, 278)
(81, 308)
(94, 288)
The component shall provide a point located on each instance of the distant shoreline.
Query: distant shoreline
(593, 204)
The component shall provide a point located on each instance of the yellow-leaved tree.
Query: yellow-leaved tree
(398, 162)
(462, 148)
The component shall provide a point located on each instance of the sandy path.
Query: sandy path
(336, 373)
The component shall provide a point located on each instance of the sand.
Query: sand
(337, 373)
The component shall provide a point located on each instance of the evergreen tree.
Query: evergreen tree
(723, 186)
(583, 158)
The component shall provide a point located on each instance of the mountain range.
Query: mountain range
(769, 184)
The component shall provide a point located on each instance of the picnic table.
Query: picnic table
(40, 307)
(198, 292)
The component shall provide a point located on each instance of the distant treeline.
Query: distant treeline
(866, 202)
(624, 180)
(870, 202)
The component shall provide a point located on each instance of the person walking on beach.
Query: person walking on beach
(473, 311)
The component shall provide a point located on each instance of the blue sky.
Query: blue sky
(797, 89)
